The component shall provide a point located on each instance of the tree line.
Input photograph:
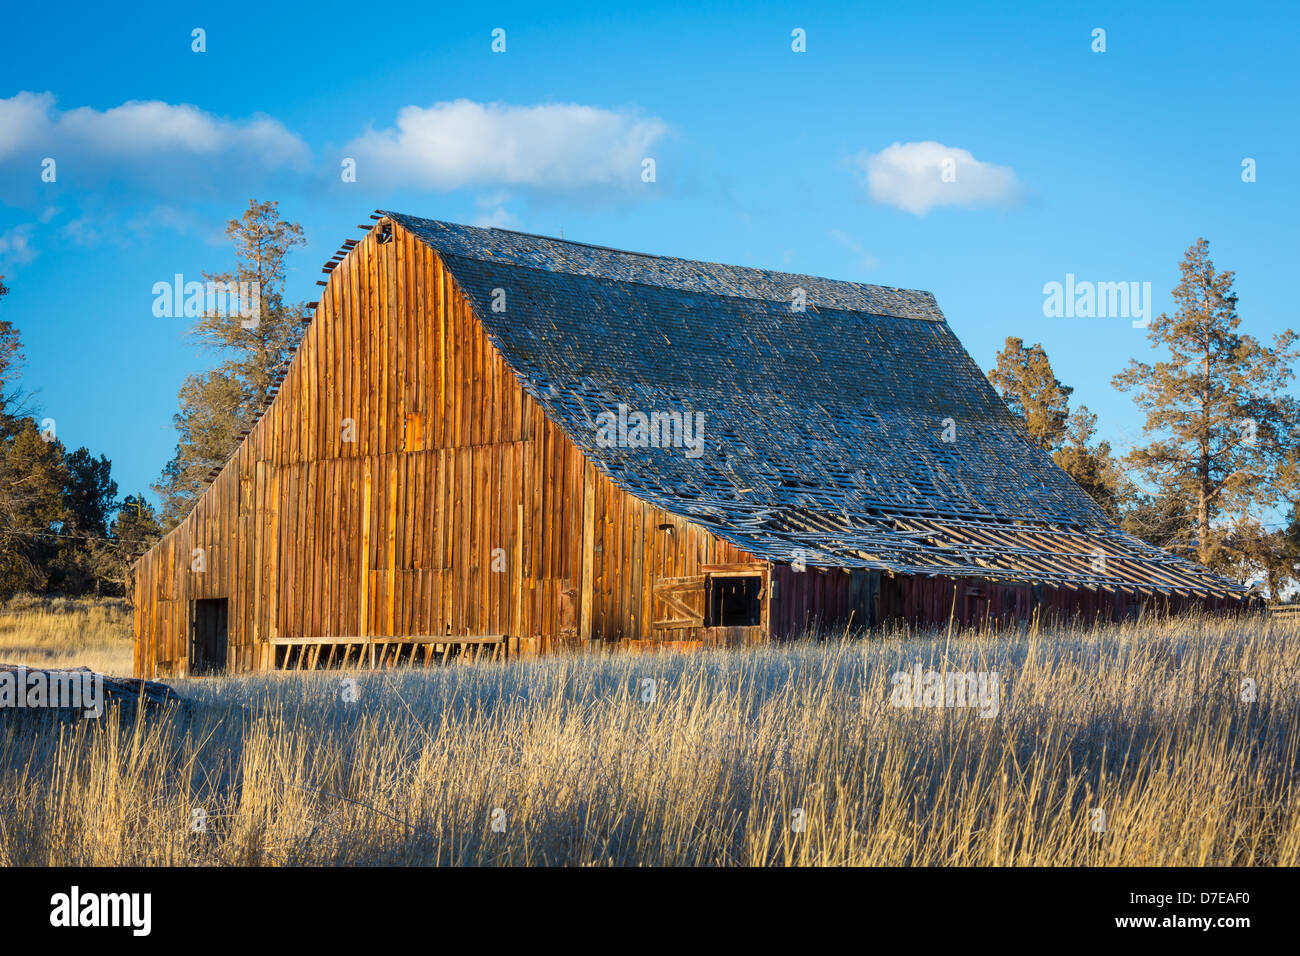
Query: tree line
(63, 529)
(1215, 476)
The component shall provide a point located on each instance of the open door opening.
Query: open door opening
(735, 601)
(208, 635)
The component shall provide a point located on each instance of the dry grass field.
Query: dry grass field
(779, 756)
(65, 632)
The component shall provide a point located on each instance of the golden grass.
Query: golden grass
(67, 632)
(1144, 721)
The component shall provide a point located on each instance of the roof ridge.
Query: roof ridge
(768, 275)
(573, 242)
(813, 307)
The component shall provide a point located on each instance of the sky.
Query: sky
(977, 152)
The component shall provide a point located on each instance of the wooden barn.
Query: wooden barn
(510, 444)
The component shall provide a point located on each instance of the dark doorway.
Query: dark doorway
(208, 636)
(735, 601)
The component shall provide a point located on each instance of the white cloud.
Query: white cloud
(153, 142)
(917, 177)
(464, 143)
(24, 119)
(137, 126)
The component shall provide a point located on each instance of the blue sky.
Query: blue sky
(1103, 165)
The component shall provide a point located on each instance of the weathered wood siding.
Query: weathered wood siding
(834, 599)
(968, 602)
(395, 532)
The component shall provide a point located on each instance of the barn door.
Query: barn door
(678, 606)
(208, 636)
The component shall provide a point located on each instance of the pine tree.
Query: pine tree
(1024, 378)
(32, 479)
(258, 343)
(1164, 522)
(90, 493)
(264, 337)
(208, 426)
(134, 530)
(11, 363)
(1026, 382)
(1090, 463)
(1252, 551)
(1217, 415)
(86, 560)
(54, 506)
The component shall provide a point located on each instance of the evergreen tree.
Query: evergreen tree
(1026, 382)
(11, 363)
(32, 479)
(1024, 378)
(1217, 416)
(134, 530)
(86, 560)
(208, 426)
(1091, 464)
(54, 506)
(1254, 552)
(1164, 522)
(257, 344)
(90, 493)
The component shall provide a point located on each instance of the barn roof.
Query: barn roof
(855, 433)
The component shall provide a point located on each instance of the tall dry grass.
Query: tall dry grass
(67, 632)
(1144, 721)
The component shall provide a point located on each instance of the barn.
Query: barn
(498, 443)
